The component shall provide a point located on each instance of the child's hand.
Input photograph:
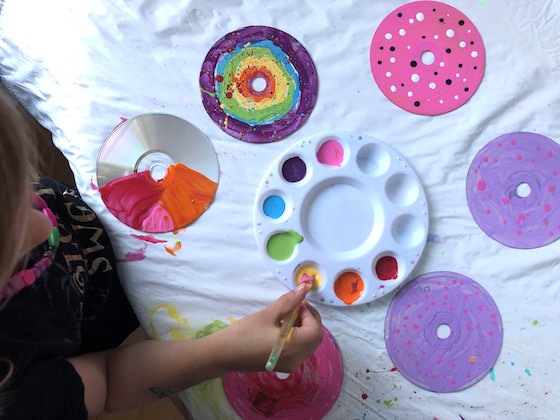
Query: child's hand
(248, 343)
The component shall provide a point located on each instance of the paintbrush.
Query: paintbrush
(286, 329)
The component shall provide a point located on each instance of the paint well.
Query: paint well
(331, 153)
(306, 271)
(387, 268)
(294, 169)
(281, 245)
(349, 287)
(274, 206)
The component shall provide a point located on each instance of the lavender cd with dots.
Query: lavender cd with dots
(427, 57)
(512, 190)
(344, 211)
(443, 331)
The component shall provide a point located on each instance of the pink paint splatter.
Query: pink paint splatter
(92, 185)
(149, 238)
(485, 159)
(132, 256)
(546, 207)
(481, 185)
(504, 200)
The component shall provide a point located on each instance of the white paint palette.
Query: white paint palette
(344, 211)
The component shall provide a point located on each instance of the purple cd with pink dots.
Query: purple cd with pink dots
(512, 190)
(443, 331)
(427, 57)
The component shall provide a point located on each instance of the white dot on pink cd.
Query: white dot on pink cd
(436, 30)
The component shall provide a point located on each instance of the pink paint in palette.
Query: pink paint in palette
(427, 57)
(308, 393)
(346, 210)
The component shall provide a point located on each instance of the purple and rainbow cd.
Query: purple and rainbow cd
(258, 84)
(443, 331)
(512, 190)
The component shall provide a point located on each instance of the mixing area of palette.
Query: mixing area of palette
(345, 210)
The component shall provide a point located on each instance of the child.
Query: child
(63, 312)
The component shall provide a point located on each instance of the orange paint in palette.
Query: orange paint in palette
(348, 287)
(159, 206)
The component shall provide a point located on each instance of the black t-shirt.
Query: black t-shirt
(77, 306)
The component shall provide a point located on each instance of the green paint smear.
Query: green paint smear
(492, 375)
(388, 403)
(281, 245)
(263, 116)
(210, 395)
(210, 328)
(535, 322)
(528, 372)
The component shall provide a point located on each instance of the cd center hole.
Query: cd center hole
(258, 84)
(428, 57)
(523, 190)
(158, 172)
(282, 375)
(443, 331)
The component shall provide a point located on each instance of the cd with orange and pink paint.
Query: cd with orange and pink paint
(157, 173)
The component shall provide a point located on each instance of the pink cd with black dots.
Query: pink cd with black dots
(443, 331)
(512, 190)
(427, 57)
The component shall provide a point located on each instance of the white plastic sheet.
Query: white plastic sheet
(81, 66)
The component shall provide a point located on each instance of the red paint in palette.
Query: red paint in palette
(387, 268)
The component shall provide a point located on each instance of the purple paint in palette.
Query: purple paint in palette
(512, 188)
(294, 169)
(414, 342)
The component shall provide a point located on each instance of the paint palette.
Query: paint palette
(344, 211)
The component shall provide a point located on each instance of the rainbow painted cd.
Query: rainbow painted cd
(157, 173)
(258, 84)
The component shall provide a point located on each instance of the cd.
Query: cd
(443, 331)
(310, 392)
(427, 57)
(157, 173)
(258, 84)
(512, 188)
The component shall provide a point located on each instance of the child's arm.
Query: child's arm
(131, 376)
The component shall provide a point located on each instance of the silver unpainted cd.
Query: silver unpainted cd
(152, 142)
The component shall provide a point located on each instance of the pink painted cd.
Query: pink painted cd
(512, 190)
(308, 393)
(443, 331)
(157, 173)
(427, 57)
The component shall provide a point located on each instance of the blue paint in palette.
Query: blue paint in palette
(274, 206)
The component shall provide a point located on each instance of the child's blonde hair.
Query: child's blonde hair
(17, 163)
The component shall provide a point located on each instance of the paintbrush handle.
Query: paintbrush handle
(285, 330)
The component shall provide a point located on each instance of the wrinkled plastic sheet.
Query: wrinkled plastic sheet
(80, 67)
